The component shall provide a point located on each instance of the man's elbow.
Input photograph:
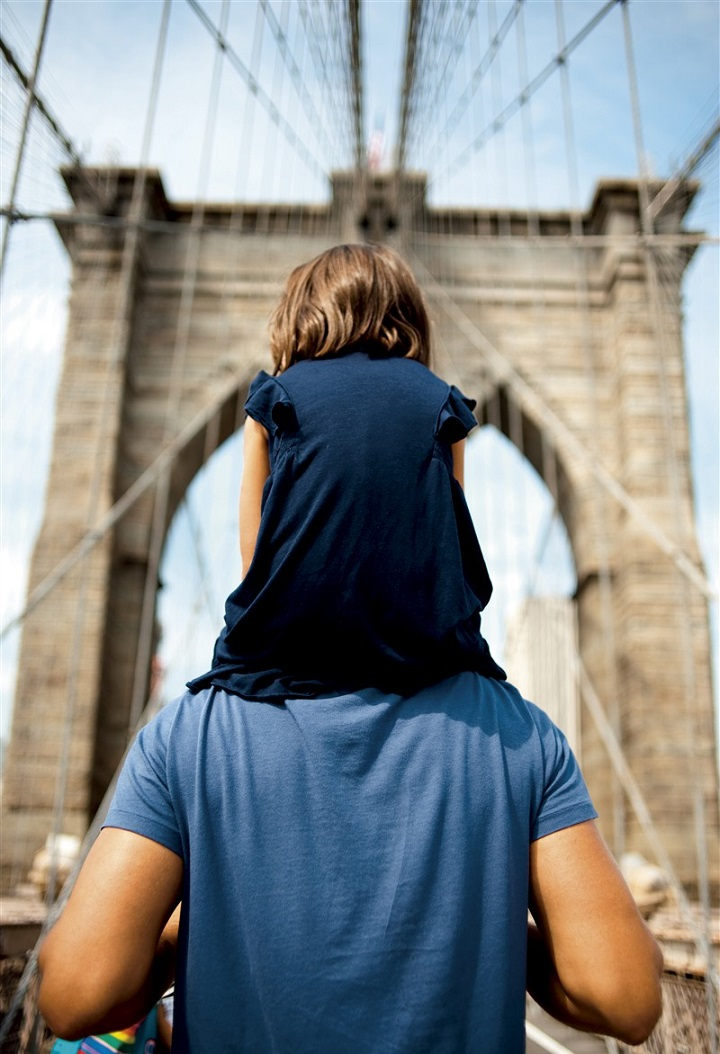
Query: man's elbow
(73, 1003)
(633, 1008)
(65, 1015)
(648, 1005)
(642, 1020)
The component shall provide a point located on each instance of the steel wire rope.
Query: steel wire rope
(464, 20)
(690, 239)
(125, 502)
(279, 33)
(256, 88)
(312, 37)
(30, 103)
(514, 415)
(321, 33)
(126, 267)
(354, 58)
(503, 370)
(529, 90)
(683, 172)
(62, 569)
(41, 106)
(494, 406)
(176, 382)
(328, 33)
(496, 87)
(278, 92)
(116, 345)
(433, 36)
(423, 61)
(564, 436)
(548, 458)
(672, 472)
(637, 801)
(483, 66)
(414, 9)
(233, 249)
(489, 54)
(355, 55)
(598, 506)
(428, 59)
(340, 35)
(328, 21)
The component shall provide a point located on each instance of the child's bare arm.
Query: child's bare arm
(458, 453)
(256, 469)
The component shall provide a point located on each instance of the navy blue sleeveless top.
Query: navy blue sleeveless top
(367, 571)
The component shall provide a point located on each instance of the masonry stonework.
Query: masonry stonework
(586, 328)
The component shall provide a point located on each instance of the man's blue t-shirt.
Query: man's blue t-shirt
(356, 867)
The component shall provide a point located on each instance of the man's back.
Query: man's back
(355, 868)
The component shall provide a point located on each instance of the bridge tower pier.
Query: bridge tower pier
(77, 684)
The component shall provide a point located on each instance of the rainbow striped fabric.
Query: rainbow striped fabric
(112, 1041)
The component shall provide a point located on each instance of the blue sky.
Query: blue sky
(96, 74)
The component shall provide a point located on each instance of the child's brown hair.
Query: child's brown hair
(350, 294)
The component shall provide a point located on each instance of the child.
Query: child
(361, 564)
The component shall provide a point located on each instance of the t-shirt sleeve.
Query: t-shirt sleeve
(142, 801)
(563, 798)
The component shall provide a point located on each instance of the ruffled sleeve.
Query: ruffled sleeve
(269, 404)
(456, 417)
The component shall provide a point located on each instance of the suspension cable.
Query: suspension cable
(683, 612)
(30, 102)
(505, 373)
(255, 87)
(527, 92)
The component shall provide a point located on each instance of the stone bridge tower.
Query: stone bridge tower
(111, 426)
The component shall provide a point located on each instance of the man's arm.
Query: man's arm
(592, 961)
(108, 959)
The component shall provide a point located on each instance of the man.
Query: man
(355, 874)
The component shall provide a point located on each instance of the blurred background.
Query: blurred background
(95, 75)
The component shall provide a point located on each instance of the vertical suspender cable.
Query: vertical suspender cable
(177, 376)
(699, 812)
(599, 503)
(130, 251)
(29, 107)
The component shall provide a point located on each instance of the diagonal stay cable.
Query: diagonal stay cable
(288, 58)
(115, 513)
(258, 91)
(684, 172)
(434, 94)
(480, 70)
(355, 56)
(504, 373)
(41, 106)
(319, 57)
(27, 115)
(499, 122)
